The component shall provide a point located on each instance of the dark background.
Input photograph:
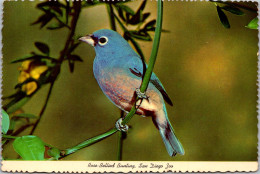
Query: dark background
(209, 72)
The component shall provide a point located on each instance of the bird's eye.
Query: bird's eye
(103, 40)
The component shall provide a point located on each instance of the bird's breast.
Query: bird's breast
(119, 86)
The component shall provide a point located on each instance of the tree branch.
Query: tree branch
(69, 42)
(43, 109)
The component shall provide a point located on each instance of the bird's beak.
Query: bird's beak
(89, 39)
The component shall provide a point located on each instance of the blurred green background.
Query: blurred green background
(209, 72)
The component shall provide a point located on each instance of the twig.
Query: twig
(75, 17)
(111, 16)
(21, 129)
(43, 108)
(120, 141)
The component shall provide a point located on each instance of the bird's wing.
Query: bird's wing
(137, 70)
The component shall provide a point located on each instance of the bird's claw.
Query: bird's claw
(140, 94)
(120, 126)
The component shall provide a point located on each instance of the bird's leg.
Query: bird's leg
(120, 126)
(141, 96)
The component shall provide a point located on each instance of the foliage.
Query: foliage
(5, 122)
(29, 147)
(253, 24)
(234, 8)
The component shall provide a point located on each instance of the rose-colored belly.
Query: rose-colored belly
(121, 89)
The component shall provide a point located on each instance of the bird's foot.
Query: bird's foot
(140, 94)
(120, 126)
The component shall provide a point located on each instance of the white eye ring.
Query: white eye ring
(102, 40)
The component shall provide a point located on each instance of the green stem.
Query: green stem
(9, 137)
(89, 142)
(152, 59)
(111, 16)
(120, 146)
(120, 140)
(155, 47)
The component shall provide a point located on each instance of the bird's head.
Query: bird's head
(107, 41)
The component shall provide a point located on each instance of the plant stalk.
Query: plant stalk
(89, 142)
(152, 59)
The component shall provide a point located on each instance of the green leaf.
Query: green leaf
(139, 17)
(10, 96)
(223, 18)
(253, 24)
(55, 26)
(74, 46)
(91, 3)
(126, 9)
(140, 35)
(5, 122)
(150, 25)
(29, 147)
(233, 10)
(141, 8)
(44, 48)
(71, 65)
(25, 115)
(51, 4)
(121, 14)
(54, 152)
(44, 19)
(17, 105)
(31, 57)
(75, 58)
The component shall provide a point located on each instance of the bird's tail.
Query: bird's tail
(170, 140)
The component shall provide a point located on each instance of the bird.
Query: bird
(118, 70)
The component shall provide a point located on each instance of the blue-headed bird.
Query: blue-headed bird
(118, 70)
